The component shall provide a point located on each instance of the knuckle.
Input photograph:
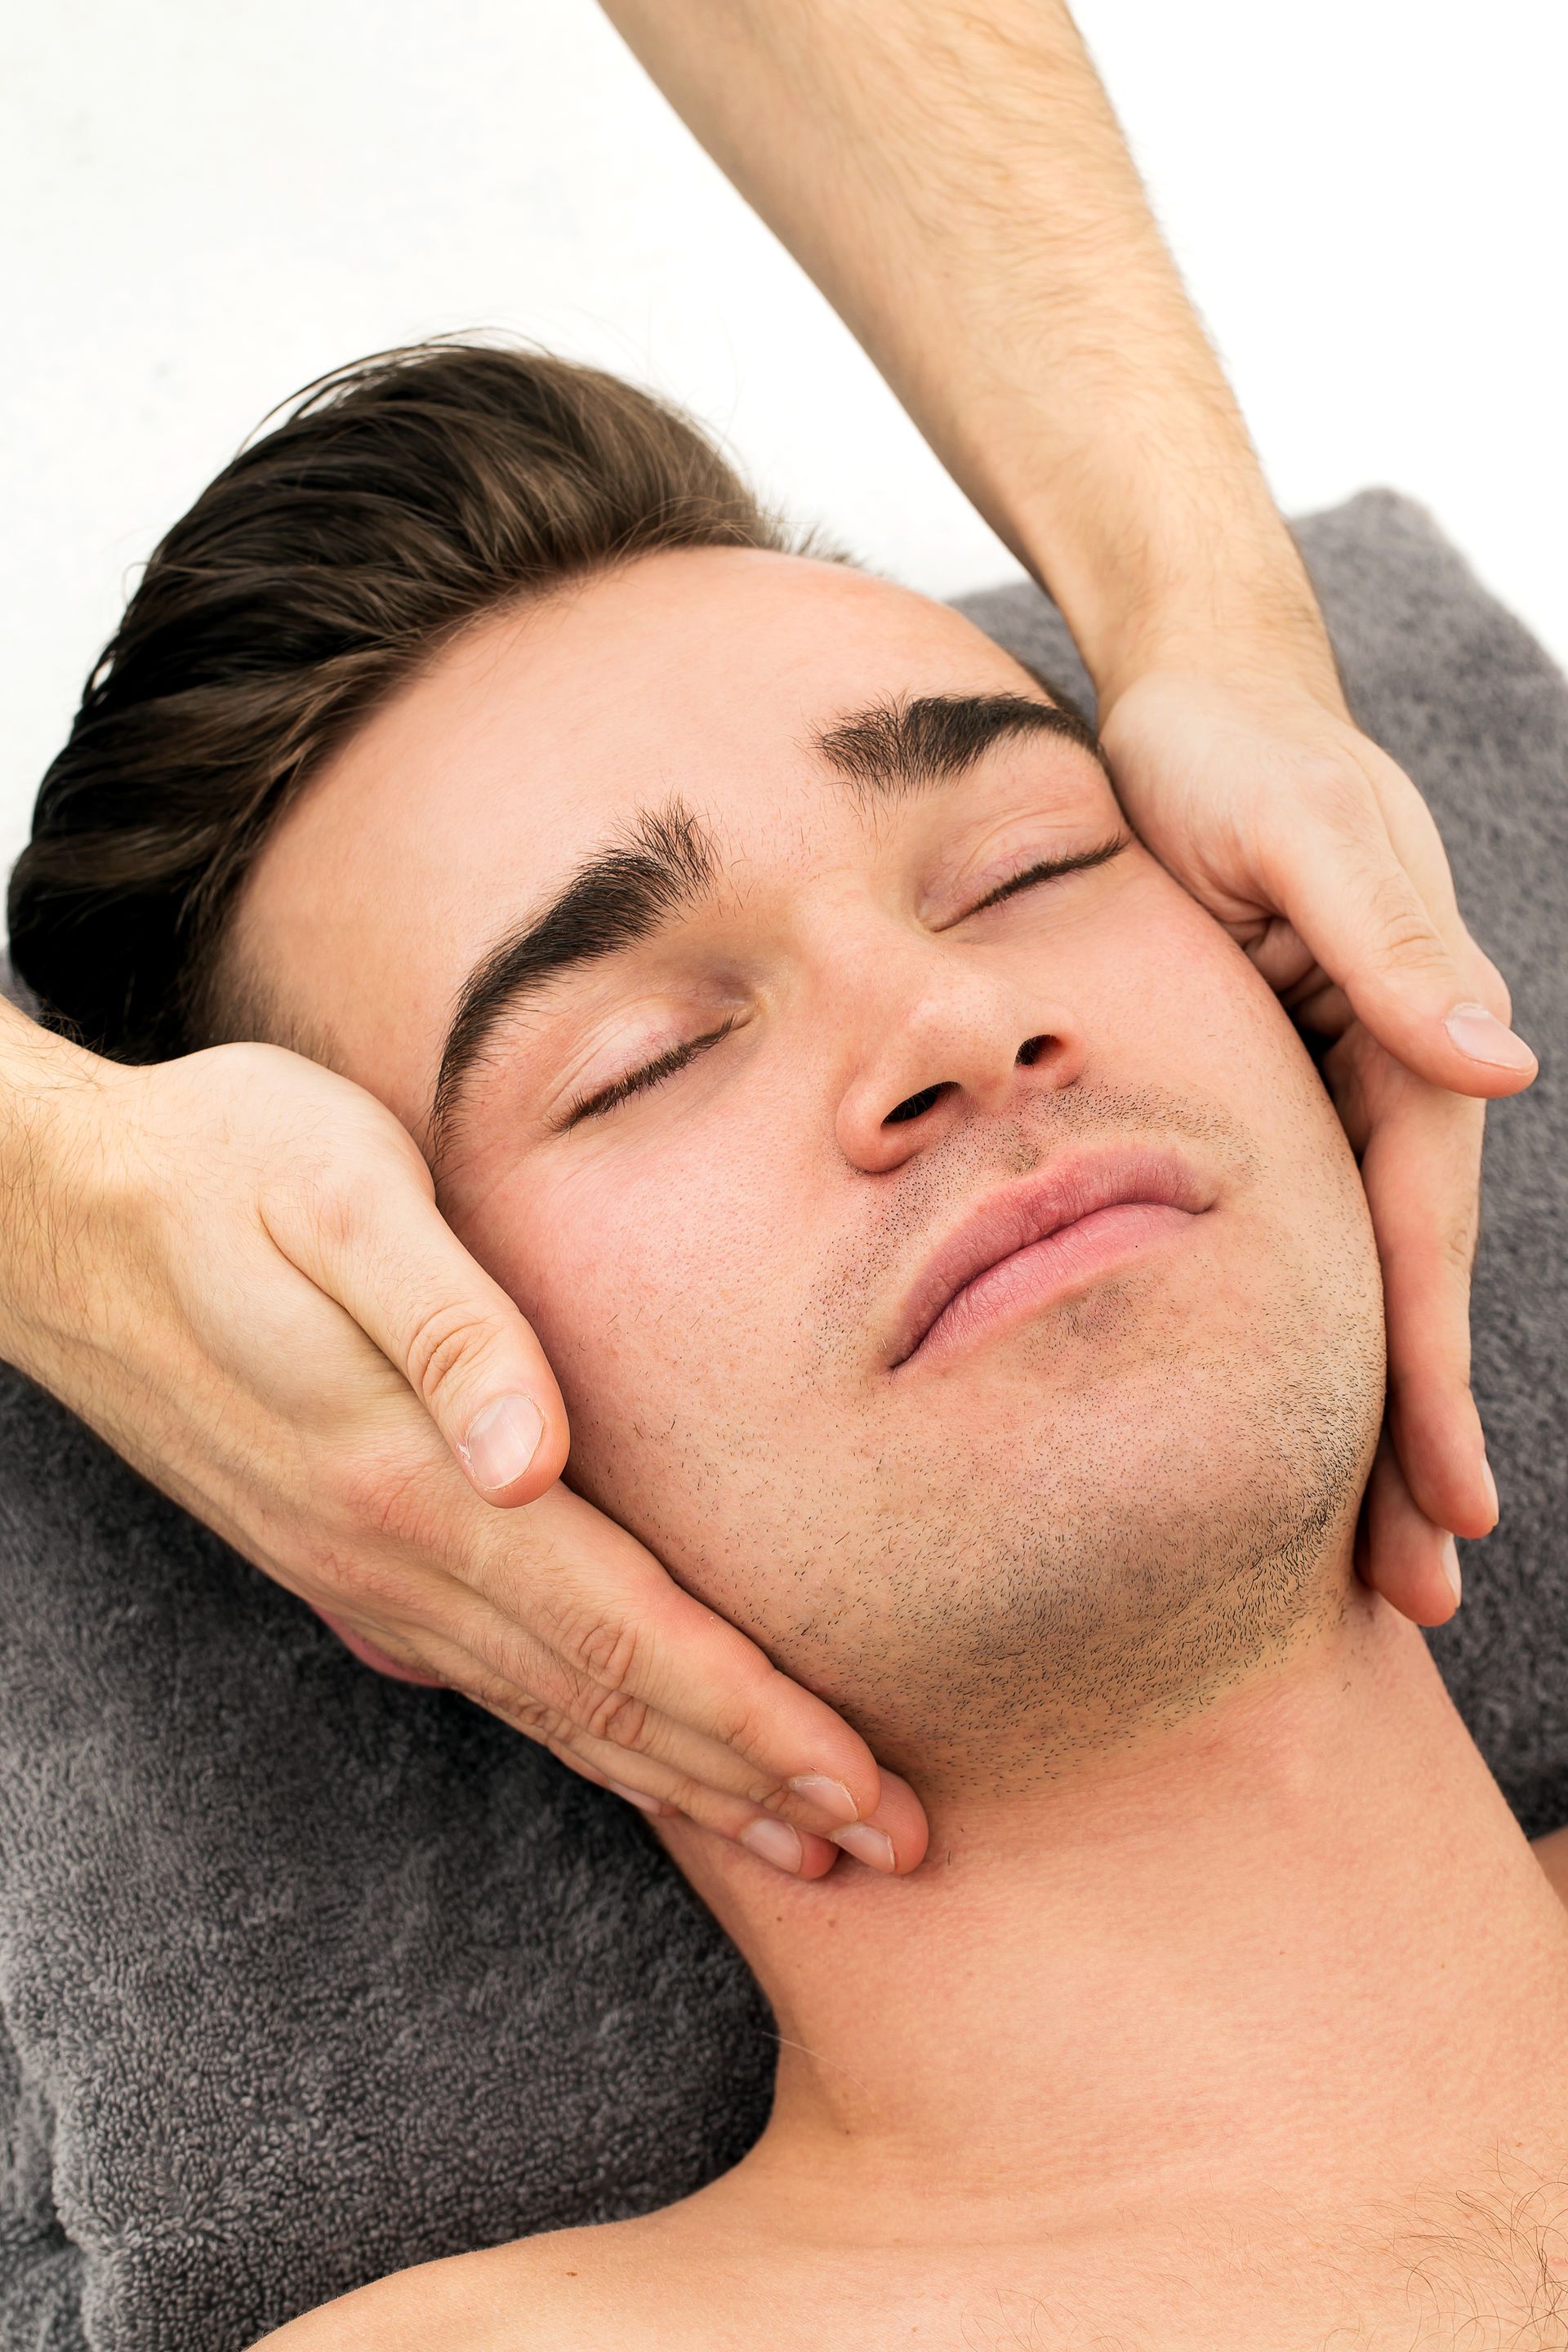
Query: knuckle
(1335, 791)
(606, 1651)
(587, 1708)
(445, 1342)
(333, 1208)
(697, 1802)
(738, 1724)
(332, 1180)
(616, 1715)
(316, 1201)
(507, 1655)
(743, 1713)
(386, 1496)
(1457, 1245)
(566, 1707)
(358, 1573)
(1405, 935)
(252, 1066)
(244, 1064)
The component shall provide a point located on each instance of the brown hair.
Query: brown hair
(398, 499)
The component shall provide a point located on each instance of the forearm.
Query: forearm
(955, 181)
(40, 1076)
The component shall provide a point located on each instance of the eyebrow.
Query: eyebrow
(897, 748)
(668, 863)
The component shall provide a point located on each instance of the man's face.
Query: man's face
(952, 1266)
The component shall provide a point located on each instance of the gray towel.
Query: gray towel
(305, 1975)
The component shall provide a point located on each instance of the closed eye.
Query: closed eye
(1050, 869)
(676, 1057)
(652, 1074)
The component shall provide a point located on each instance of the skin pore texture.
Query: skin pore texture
(957, 1275)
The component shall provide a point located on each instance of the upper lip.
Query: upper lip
(1075, 1184)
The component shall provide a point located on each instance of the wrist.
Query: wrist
(1267, 654)
(1195, 570)
(48, 1086)
(1253, 626)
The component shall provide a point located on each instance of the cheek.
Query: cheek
(1185, 998)
(658, 1283)
(1184, 1008)
(1220, 1026)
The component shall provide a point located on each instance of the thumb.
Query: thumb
(1357, 910)
(382, 1250)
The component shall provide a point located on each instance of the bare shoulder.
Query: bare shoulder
(565, 2292)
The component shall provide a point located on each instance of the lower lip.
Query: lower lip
(1066, 1262)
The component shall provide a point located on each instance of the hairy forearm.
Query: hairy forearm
(954, 180)
(40, 1076)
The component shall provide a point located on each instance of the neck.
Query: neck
(1299, 1939)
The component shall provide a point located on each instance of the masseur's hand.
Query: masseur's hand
(955, 180)
(1243, 771)
(233, 1268)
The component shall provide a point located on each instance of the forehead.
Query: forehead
(471, 793)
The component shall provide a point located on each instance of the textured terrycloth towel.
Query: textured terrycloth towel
(305, 1975)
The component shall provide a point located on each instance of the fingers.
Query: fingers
(385, 1252)
(1400, 1554)
(1421, 1168)
(628, 1643)
(1430, 997)
(892, 1844)
(666, 1767)
(564, 1627)
(901, 1818)
(657, 1776)
(795, 1854)
(1268, 804)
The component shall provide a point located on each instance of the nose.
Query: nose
(960, 1042)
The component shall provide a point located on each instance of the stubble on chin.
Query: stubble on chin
(1121, 1549)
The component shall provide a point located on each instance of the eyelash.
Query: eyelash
(652, 1074)
(1048, 870)
(675, 1057)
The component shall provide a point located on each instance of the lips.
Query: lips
(1066, 1203)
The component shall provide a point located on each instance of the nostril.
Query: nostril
(1031, 1049)
(916, 1106)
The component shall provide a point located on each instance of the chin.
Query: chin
(1106, 1347)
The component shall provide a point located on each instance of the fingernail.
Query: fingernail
(1491, 1487)
(873, 1847)
(772, 1842)
(1481, 1036)
(502, 1441)
(1451, 1570)
(830, 1797)
(637, 1797)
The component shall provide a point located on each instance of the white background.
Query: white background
(209, 205)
